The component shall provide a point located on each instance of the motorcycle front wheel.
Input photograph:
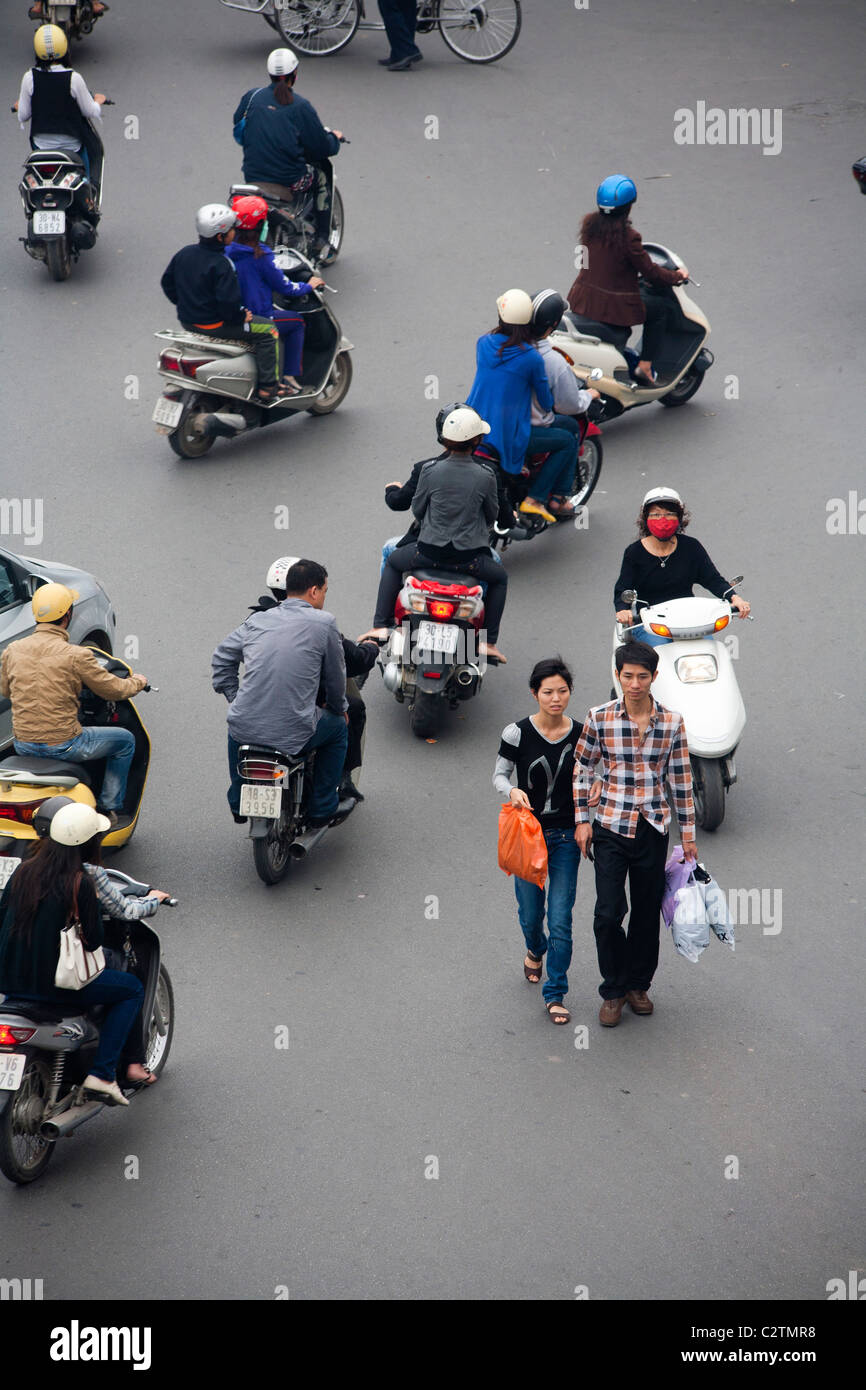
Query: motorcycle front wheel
(24, 1154)
(161, 1029)
(708, 792)
(58, 259)
(318, 27)
(336, 387)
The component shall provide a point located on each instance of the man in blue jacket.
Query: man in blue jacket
(282, 138)
(202, 282)
(286, 653)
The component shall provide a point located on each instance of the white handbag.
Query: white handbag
(76, 966)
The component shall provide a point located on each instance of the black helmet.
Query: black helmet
(548, 308)
(42, 818)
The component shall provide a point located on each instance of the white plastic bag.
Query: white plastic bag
(690, 929)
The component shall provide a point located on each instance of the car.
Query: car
(93, 621)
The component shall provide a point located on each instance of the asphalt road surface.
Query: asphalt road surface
(415, 1044)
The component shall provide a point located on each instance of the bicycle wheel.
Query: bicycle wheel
(317, 27)
(479, 31)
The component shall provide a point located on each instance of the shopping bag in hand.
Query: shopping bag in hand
(684, 907)
(522, 847)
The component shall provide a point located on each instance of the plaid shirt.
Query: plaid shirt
(634, 772)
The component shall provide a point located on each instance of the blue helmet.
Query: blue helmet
(616, 191)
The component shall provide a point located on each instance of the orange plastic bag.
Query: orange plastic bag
(522, 847)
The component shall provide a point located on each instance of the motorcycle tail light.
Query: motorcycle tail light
(21, 811)
(68, 180)
(190, 365)
(31, 181)
(439, 608)
(48, 170)
(9, 1036)
(254, 771)
(169, 362)
(660, 629)
(400, 612)
(721, 623)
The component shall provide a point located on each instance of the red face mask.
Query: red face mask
(663, 527)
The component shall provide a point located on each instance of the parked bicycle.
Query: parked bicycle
(479, 31)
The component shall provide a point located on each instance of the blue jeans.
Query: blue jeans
(556, 475)
(330, 740)
(563, 861)
(117, 746)
(123, 994)
(395, 541)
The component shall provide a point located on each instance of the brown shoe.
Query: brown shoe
(610, 1012)
(639, 1001)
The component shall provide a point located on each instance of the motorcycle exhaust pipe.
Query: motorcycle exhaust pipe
(224, 425)
(70, 1119)
(300, 848)
(392, 677)
(467, 674)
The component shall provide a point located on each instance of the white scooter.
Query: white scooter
(680, 364)
(696, 678)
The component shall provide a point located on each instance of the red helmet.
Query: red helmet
(250, 211)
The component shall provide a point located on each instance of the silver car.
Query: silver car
(93, 617)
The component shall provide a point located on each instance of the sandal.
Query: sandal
(559, 1018)
(533, 972)
(561, 508)
(148, 1080)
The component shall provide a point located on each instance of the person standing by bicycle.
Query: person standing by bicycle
(286, 147)
(400, 17)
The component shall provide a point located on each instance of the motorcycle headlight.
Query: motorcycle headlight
(700, 667)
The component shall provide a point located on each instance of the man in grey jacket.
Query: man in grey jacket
(286, 653)
(456, 502)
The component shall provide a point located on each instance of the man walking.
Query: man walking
(400, 17)
(636, 746)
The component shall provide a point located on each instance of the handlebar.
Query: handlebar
(151, 687)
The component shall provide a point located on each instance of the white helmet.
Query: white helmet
(279, 569)
(281, 62)
(214, 218)
(514, 306)
(462, 424)
(77, 823)
(662, 495)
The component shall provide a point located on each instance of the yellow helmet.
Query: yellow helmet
(51, 601)
(49, 41)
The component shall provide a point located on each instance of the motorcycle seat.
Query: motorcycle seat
(36, 156)
(607, 332)
(40, 1011)
(46, 767)
(184, 337)
(455, 577)
(249, 752)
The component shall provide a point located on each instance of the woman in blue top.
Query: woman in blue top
(509, 368)
(259, 277)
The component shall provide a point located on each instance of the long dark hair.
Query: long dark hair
(515, 335)
(608, 229)
(50, 871)
(250, 236)
(282, 87)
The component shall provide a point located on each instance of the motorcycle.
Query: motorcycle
(291, 222)
(696, 678)
(858, 169)
(681, 363)
(46, 1049)
(62, 204)
(274, 795)
(27, 781)
(431, 656)
(211, 381)
(75, 17)
(519, 485)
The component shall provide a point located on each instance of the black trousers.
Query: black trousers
(263, 341)
(399, 17)
(628, 961)
(357, 723)
(659, 312)
(480, 567)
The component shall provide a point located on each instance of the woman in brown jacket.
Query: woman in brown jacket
(607, 287)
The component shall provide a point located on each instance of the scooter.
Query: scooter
(75, 17)
(210, 382)
(62, 205)
(696, 678)
(46, 1049)
(681, 363)
(26, 781)
(274, 796)
(431, 656)
(291, 222)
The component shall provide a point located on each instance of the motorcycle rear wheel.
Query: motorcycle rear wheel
(588, 470)
(186, 442)
(58, 259)
(158, 1045)
(24, 1156)
(271, 854)
(424, 715)
(684, 389)
(299, 23)
(708, 791)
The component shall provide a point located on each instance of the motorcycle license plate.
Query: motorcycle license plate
(261, 801)
(8, 865)
(11, 1070)
(438, 637)
(49, 223)
(167, 412)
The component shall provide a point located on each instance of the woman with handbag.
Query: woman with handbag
(52, 897)
(540, 749)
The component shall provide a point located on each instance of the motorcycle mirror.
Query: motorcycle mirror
(738, 579)
(596, 374)
(629, 595)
